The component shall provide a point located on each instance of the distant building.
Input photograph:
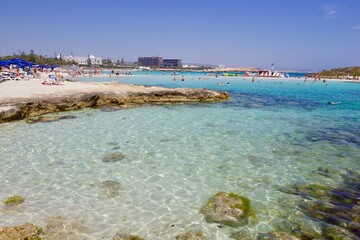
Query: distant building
(174, 63)
(150, 61)
(107, 62)
(89, 60)
(159, 62)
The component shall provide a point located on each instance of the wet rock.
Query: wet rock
(242, 234)
(191, 235)
(112, 188)
(13, 201)
(113, 157)
(25, 231)
(125, 236)
(10, 112)
(227, 208)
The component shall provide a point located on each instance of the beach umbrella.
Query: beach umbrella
(19, 62)
(3, 63)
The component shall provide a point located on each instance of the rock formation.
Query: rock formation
(20, 108)
(227, 208)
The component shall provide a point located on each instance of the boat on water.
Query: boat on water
(228, 74)
(265, 73)
(142, 69)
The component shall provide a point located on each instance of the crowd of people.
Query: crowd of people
(19, 73)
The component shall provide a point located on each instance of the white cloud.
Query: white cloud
(357, 27)
(330, 10)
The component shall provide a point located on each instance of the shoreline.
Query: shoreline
(230, 77)
(23, 99)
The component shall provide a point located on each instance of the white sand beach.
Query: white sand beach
(33, 88)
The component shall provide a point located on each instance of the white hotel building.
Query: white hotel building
(91, 59)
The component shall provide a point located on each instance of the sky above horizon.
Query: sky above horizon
(308, 35)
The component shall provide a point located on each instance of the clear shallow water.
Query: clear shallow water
(177, 156)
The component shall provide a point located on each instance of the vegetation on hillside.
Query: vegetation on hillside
(347, 71)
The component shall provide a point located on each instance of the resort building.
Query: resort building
(150, 61)
(159, 62)
(89, 60)
(175, 63)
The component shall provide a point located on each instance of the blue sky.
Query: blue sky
(293, 34)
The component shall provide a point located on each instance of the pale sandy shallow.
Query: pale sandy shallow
(33, 88)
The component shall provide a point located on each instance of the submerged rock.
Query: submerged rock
(112, 188)
(111, 108)
(278, 236)
(113, 157)
(125, 236)
(312, 190)
(67, 117)
(227, 208)
(13, 201)
(58, 228)
(242, 234)
(42, 120)
(337, 207)
(25, 231)
(48, 119)
(191, 235)
(334, 135)
(338, 233)
(306, 230)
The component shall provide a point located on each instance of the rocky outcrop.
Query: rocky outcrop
(17, 109)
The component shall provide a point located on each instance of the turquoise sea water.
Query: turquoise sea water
(267, 136)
